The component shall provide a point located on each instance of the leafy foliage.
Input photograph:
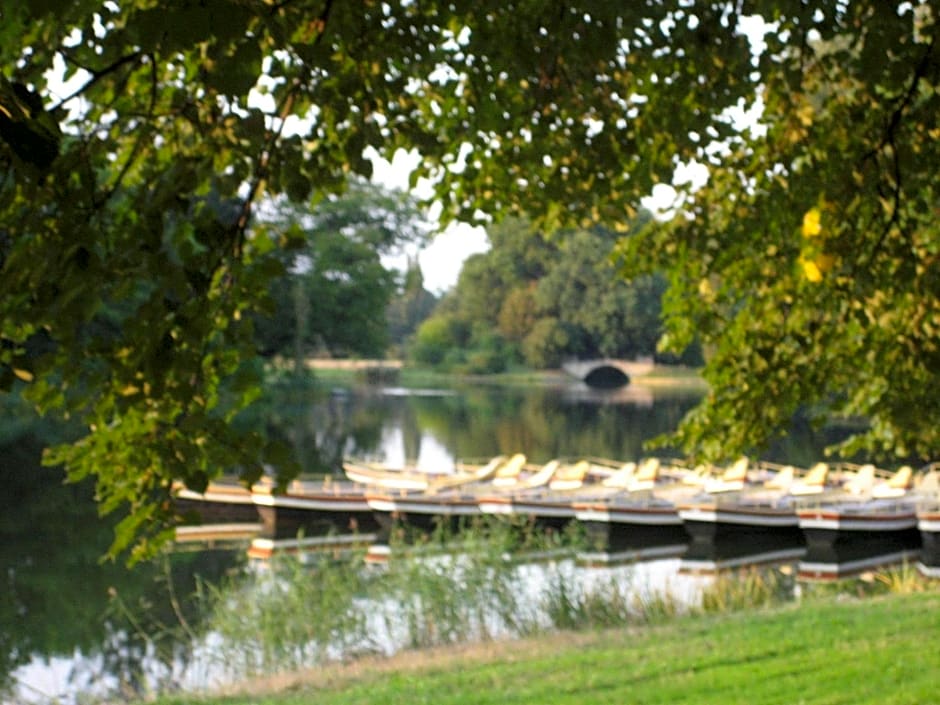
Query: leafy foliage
(410, 306)
(335, 287)
(128, 261)
(807, 263)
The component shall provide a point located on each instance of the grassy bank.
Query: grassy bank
(348, 372)
(830, 650)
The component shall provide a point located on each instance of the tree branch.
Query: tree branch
(97, 75)
(264, 159)
(141, 135)
(888, 139)
(261, 173)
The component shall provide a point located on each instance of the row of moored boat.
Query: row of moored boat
(829, 514)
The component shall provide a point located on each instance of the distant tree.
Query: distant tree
(552, 298)
(335, 289)
(410, 306)
(613, 318)
(437, 337)
(518, 312)
(549, 343)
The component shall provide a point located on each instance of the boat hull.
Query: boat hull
(751, 526)
(620, 529)
(543, 509)
(421, 511)
(928, 524)
(842, 541)
(314, 510)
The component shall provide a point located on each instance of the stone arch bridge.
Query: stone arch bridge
(608, 373)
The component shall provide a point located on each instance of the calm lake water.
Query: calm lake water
(71, 624)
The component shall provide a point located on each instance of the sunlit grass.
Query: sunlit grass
(875, 651)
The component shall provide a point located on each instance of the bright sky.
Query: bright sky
(441, 261)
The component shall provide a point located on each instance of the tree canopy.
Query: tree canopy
(130, 253)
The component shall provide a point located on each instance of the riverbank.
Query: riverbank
(662, 377)
(831, 649)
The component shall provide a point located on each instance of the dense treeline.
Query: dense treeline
(530, 300)
(538, 301)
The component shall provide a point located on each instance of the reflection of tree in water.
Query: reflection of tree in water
(481, 421)
(314, 423)
(546, 422)
(58, 597)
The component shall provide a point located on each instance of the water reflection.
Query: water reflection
(63, 612)
(481, 421)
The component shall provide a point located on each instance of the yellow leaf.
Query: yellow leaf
(805, 115)
(811, 270)
(129, 390)
(705, 289)
(24, 375)
(811, 226)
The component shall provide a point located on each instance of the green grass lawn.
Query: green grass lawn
(882, 650)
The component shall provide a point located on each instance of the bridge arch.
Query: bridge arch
(607, 373)
(606, 377)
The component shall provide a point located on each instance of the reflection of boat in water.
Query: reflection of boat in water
(730, 552)
(309, 549)
(229, 534)
(313, 506)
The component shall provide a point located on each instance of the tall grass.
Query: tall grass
(901, 579)
(445, 588)
(287, 617)
(748, 588)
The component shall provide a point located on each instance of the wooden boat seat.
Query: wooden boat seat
(813, 482)
(733, 478)
(569, 477)
(862, 481)
(698, 476)
(620, 479)
(645, 477)
(541, 477)
(508, 473)
(482, 473)
(895, 486)
(929, 483)
(782, 479)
